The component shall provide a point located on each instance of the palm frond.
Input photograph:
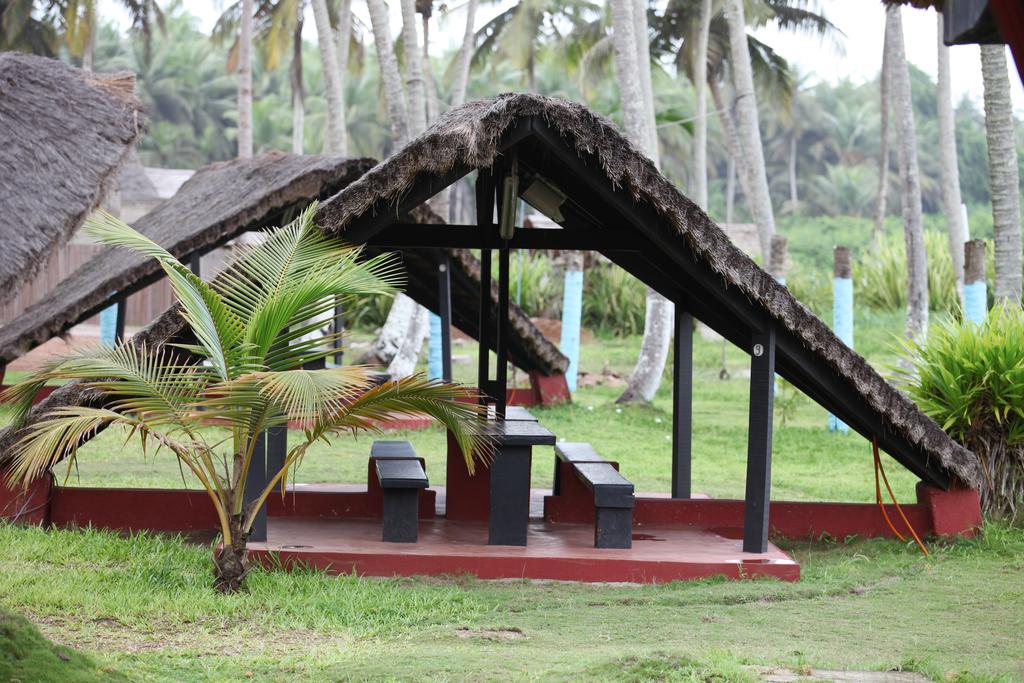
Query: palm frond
(217, 329)
(454, 406)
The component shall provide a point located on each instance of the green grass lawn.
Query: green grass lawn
(142, 607)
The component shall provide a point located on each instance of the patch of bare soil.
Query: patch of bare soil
(198, 639)
(512, 633)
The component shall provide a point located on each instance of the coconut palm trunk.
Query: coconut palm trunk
(738, 164)
(464, 56)
(910, 183)
(334, 91)
(298, 90)
(950, 174)
(344, 37)
(245, 81)
(700, 123)
(415, 88)
(885, 103)
(638, 115)
(389, 76)
(1003, 173)
(747, 126)
(417, 320)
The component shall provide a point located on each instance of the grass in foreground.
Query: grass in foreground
(143, 606)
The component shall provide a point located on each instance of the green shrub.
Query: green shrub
(882, 279)
(813, 288)
(367, 312)
(614, 302)
(970, 379)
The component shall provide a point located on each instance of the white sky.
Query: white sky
(862, 21)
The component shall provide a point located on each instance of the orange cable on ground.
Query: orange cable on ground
(881, 505)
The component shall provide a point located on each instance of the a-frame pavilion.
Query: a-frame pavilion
(577, 168)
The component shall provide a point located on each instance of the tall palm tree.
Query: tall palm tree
(950, 174)
(337, 139)
(748, 127)
(460, 65)
(390, 79)
(245, 81)
(239, 373)
(700, 122)
(910, 182)
(1003, 173)
(638, 116)
(884, 105)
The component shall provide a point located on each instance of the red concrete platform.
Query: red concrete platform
(554, 551)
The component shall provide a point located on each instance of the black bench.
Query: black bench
(571, 452)
(613, 494)
(401, 476)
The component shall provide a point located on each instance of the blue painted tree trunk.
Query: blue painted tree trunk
(572, 318)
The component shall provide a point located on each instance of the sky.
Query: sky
(862, 22)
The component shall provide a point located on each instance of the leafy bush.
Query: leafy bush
(882, 279)
(367, 312)
(614, 302)
(970, 379)
(535, 284)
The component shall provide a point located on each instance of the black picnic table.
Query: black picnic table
(514, 439)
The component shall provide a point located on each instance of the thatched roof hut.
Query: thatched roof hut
(614, 200)
(64, 133)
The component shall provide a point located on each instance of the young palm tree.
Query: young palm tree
(240, 371)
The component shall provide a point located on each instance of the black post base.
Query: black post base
(401, 515)
(614, 528)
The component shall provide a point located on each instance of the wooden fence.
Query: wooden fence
(143, 306)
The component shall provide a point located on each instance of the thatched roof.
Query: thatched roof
(64, 133)
(217, 204)
(564, 141)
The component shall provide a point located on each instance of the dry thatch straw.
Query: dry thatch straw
(64, 134)
(471, 136)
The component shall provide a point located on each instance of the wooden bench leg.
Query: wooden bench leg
(613, 528)
(401, 515)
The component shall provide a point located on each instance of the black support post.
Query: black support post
(759, 442)
(267, 459)
(485, 223)
(195, 264)
(122, 310)
(339, 327)
(502, 350)
(682, 403)
(444, 308)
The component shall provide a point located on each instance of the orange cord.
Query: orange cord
(881, 505)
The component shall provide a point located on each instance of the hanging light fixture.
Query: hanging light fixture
(509, 201)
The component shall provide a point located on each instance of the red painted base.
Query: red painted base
(553, 551)
(937, 513)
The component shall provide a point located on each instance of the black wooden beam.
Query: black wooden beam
(682, 403)
(485, 223)
(502, 345)
(414, 236)
(759, 442)
(122, 312)
(444, 311)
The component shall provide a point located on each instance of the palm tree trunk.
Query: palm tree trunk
(337, 140)
(91, 25)
(1003, 172)
(730, 187)
(464, 56)
(913, 229)
(794, 197)
(638, 118)
(748, 127)
(433, 107)
(700, 123)
(230, 561)
(298, 94)
(245, 82)
(643, 62)
(344, 37)
(389, 76)
(740, 167)
(416, 92)
(948, 164)
(885, 97)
